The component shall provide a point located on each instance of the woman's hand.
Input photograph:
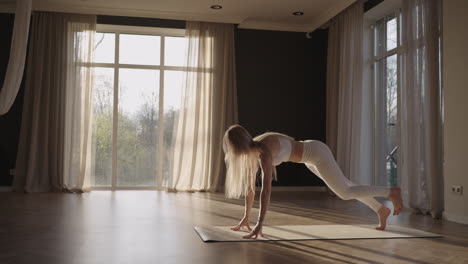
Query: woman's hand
(242, 223)
(255, 232)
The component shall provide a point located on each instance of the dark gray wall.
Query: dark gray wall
(9, 123)
(281, 87)
(140, 21)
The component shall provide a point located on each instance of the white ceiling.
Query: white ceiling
(254, 14)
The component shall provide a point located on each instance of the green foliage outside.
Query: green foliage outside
(137, 139)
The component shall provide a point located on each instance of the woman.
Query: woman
(244, 155)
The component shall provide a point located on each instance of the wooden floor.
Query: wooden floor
(157, 227)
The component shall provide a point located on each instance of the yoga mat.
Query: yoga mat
(310, 232)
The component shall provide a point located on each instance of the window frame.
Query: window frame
(377, 58)
(116, 65)
(398, 49)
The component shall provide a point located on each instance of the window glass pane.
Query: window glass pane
(391, 34)
(137, 127)
(103, 103)
(172, 99)
(104, 51)
(139, 49)
(391, 117)
(392, 89)
(138, 132)
(174, 54)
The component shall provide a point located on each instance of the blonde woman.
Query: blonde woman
(245, 155)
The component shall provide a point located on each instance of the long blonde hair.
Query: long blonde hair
(242, 158)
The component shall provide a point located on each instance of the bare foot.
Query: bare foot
(395, 197)
(383, 213)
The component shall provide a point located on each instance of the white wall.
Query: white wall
(455, 78)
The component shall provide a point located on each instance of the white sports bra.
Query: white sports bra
(284, 152)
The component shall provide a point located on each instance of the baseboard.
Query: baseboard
(296, 188)
(6, 189)
(273, 189)
(455, 218)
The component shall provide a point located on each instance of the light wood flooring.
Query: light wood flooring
(157, 227)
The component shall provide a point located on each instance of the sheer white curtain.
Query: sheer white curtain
(209, 107)
(55, 134)
(15, 68)
(420, 157)
(78, 102)
(346, 97)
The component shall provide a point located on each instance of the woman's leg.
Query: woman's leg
(369, 201)
(382, 211)
(320, 160)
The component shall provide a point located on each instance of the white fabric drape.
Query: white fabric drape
(346, 103)
(78, 103)
(55, 134)
(15, 68)
(420, 158)
(209, 107)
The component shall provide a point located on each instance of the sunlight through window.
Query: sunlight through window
(136, 98)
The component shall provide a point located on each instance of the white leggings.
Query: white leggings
(319, 159)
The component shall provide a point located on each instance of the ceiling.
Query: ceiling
(254, 14)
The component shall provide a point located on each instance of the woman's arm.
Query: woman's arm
(264, 195)
(249, 199)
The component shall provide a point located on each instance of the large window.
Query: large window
(387, 47)
(138, 75)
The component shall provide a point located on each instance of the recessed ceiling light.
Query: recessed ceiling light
(216, 7)
(298, 13)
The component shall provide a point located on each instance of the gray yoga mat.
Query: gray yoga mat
(310, 232)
